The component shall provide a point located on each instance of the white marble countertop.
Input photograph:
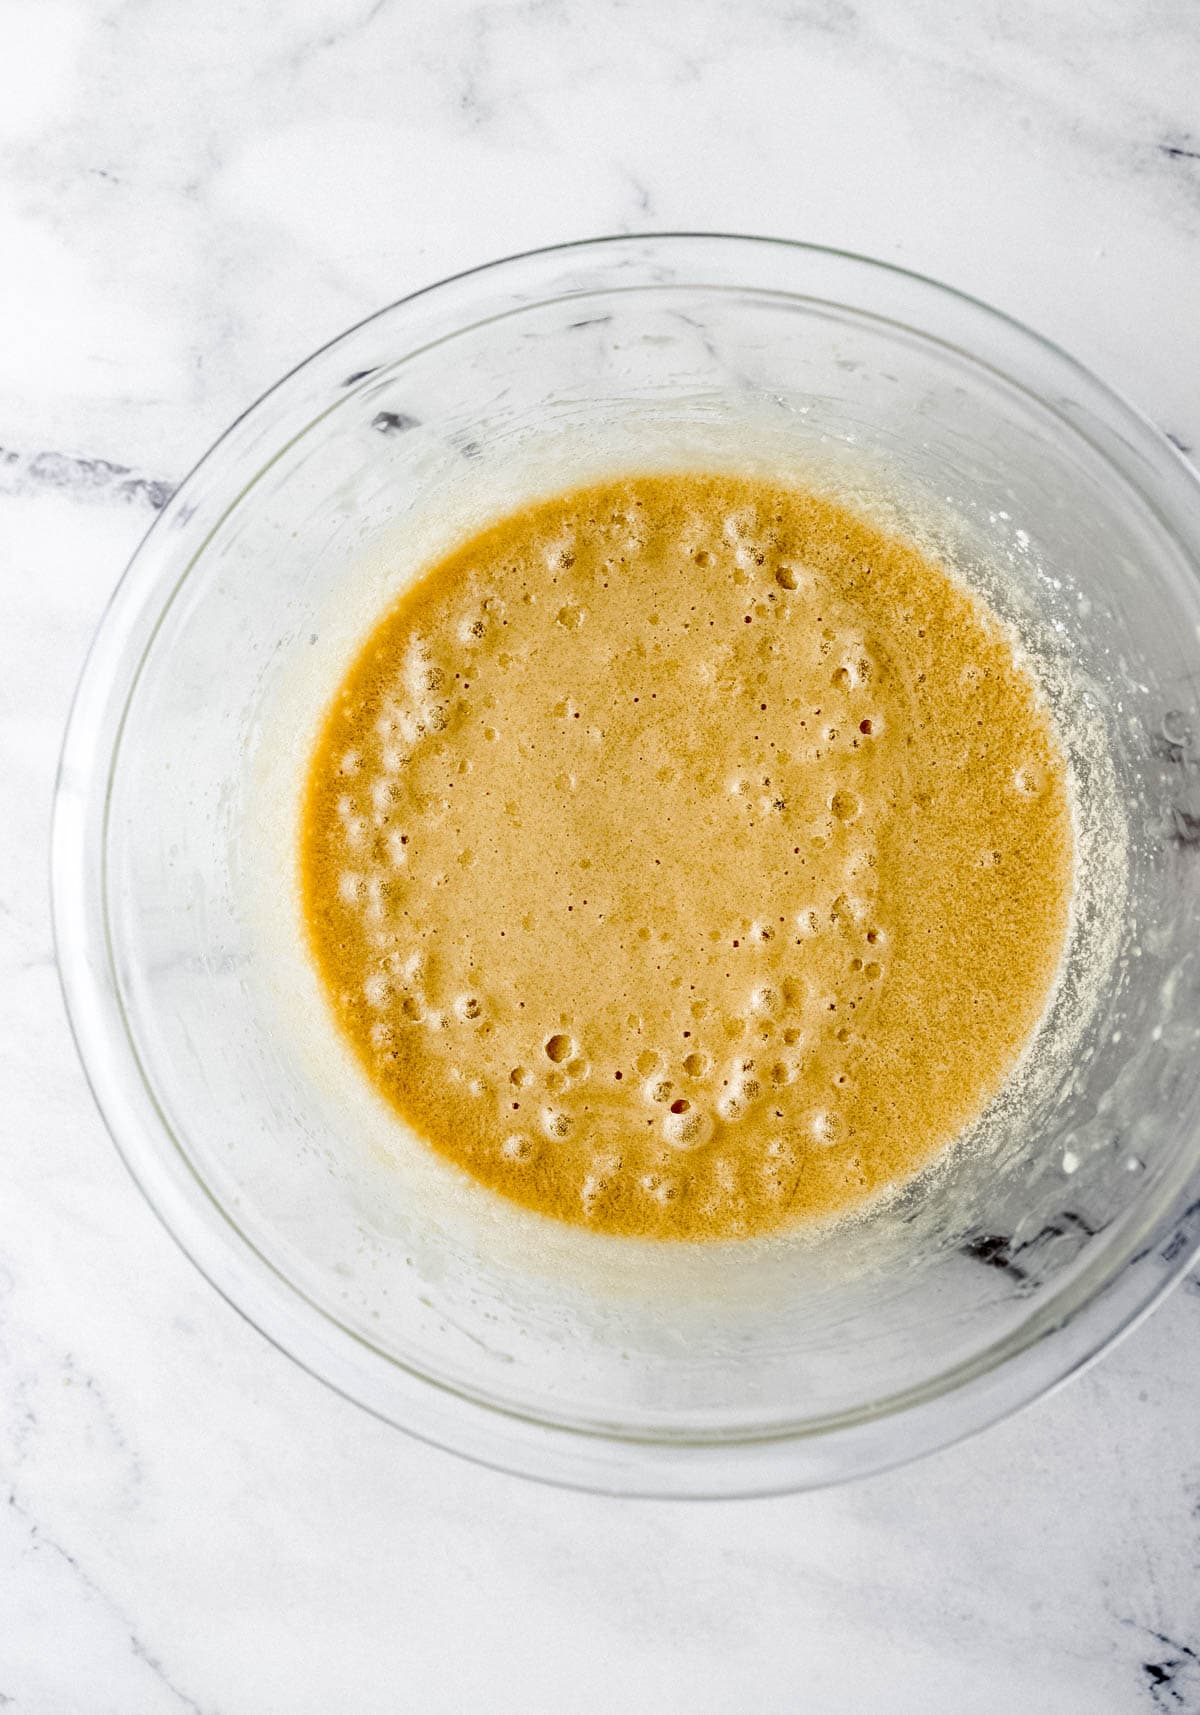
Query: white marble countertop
(191, 199)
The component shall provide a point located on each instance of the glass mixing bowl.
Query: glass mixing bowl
(669, 1370)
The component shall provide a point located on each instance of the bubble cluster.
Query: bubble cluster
(604, 1170)
(661, 1187)
(826, 1126)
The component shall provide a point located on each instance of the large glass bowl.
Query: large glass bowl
(609, 1364)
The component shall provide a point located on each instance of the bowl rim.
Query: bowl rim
(934, 1414)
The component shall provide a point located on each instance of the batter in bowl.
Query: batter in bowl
(684, 857)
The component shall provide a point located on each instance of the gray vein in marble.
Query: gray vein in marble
(40, 1539)
(834, 18)
(394, 422)
(641, 191)
(82, 477)
(26, 1424)
(73, 1374)
(475, 67)
(1171, 1673)
(351, 30)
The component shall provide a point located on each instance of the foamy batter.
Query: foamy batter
(683, 857)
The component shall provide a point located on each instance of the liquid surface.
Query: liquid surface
(683, 857)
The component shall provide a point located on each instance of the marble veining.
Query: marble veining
(192, 199)
(85, 479)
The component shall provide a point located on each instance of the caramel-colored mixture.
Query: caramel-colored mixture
(684, 857)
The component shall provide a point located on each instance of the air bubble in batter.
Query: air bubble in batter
(421, 675)
(383, 796)
(472, 629)
(685, 1126)
(826, 1127)
(732, 1104)
(659, 1186)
